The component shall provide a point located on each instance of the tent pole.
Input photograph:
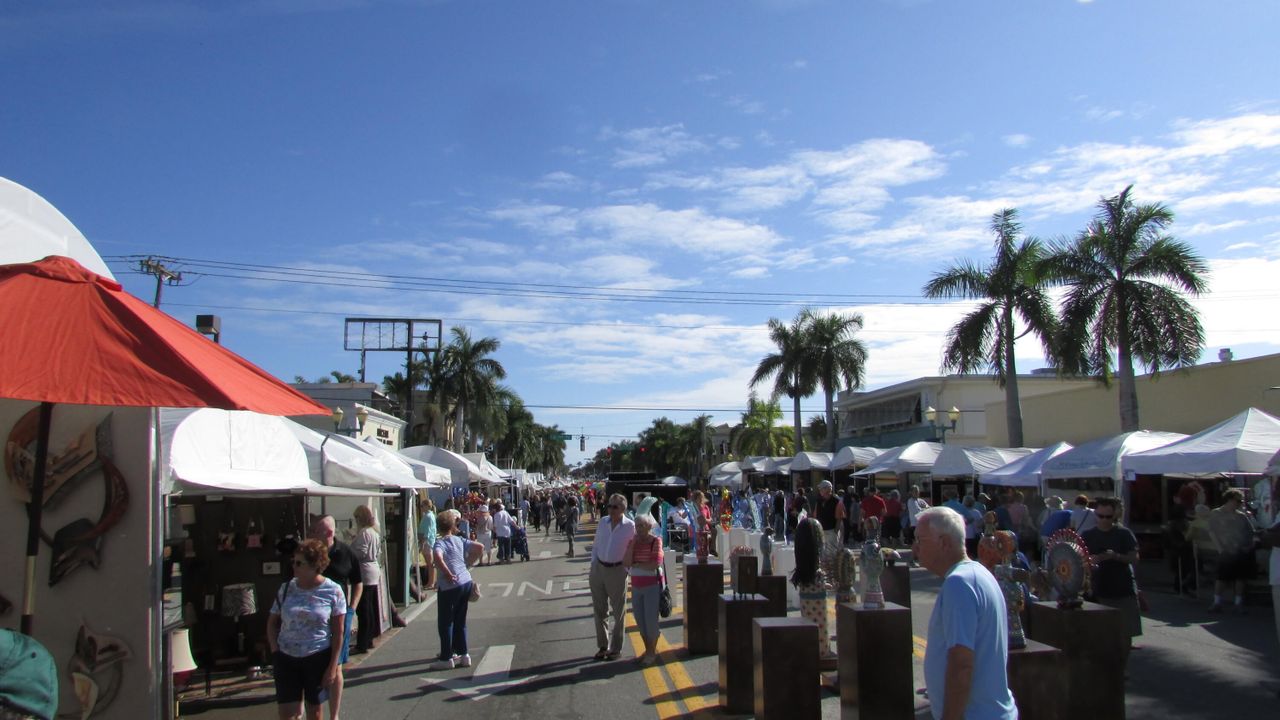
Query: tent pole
(35, 511)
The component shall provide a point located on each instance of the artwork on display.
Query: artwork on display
(78, 542)
(845, 575)
(872, 567)
(1067, 563)
(96, 670)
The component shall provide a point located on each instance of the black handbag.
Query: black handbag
(664, 597)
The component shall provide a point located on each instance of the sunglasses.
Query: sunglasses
(615, 507)
(1105, 517)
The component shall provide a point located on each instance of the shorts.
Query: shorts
(297, 678)
(1237, 568)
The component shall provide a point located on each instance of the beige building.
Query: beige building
(1185, 401)
(896, 415)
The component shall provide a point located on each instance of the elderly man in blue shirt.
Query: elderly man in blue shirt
(968, 646)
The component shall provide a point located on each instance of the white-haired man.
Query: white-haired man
(608, 578)
(964, 662)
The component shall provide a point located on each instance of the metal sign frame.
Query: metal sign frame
(361, 334)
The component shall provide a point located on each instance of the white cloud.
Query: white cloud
(750, 273)
(1251, 196)
(1210, 228)
(1017, 140)
(650, 146)
(559, 180)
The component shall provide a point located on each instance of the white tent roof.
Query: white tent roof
(339, 461)
(1101, 458)
(1241, 444)
(462, 471)
(1025, 471)
(726, 474)
(31, 229)
(960, 461)
(432, 475)
(854, 457)
(673, 480)
(916, 457)
(494, 474)
(208, 451)
(811, 461)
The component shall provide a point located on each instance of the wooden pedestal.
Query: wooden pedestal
(737, 682)
(896, 583)
(746, 570)
(703, 583)
(1093, 642)
(1037, 682)
(774, 588)
(785, 668)
(874, 660)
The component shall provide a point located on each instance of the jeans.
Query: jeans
(451, 620)
(504, 548)
(346, 636)
(644, 605)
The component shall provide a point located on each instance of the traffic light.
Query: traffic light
(608, 451)
(582, 443)
(641, 449)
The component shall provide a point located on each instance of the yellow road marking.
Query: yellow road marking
(680, 678)
(654, 679)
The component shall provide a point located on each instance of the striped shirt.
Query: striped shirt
(646, 553)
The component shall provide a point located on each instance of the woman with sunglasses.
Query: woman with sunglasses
(453, 554)
(305, 632)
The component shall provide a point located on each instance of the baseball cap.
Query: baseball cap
(28, 677)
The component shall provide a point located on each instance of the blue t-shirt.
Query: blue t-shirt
(454, 550)
(427, 528)
(304, 620)
(1057, 520)
(970, 611)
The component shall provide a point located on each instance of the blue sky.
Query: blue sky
(780, 152)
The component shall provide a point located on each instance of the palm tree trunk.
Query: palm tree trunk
(1125, 383)
(796, 415)
(459, 429)
(831, 418)
(1012, 401)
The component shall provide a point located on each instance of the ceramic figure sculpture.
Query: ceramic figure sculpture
(1067, 562)
(845, 574)
(872, 567)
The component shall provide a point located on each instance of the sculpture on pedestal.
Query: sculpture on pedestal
(704, 544)
(872, 567)
(766, 552)
(845, 574)
(734, 554)
(809, 580)
(1067, 563)
(996, 551)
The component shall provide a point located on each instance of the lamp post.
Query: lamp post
(361, 416)
(932, 416)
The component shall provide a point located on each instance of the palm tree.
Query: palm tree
(792, 372)
(521, 438)
(552, 455)
(1126, 280)
(1010, 286)
(838, 358)
(759, 433)
(696, 440)
(816, 429)
(472, 375)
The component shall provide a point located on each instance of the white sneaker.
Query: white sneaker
(441, 665)
(462, 660)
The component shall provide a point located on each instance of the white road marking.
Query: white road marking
(492, 675)
(544, 554)
(544, 590)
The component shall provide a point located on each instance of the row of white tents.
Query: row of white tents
(1246, 444)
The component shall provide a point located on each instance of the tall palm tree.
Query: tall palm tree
(1126, 280)
(793, 373)
(552, 456)
(696, 441)
(1010, 287)
(839, 359)
(472, 375)
(521, 438)
(759, 433)
(816, 429)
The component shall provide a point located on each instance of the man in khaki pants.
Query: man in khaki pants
(608, 577)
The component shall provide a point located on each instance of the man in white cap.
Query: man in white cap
(830, 512)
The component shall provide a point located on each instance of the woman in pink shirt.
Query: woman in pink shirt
(643, 558)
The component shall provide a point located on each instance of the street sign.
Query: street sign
(564, 436)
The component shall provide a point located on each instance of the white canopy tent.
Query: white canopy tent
(673, 480)
(960, 461)
(31, 229)
(1101, 458)
(811, 461)
(1243, 445)
(494, 475)
(850, 456)
(433, 475)
(339, 461)
(916, 457)
(206, 451)
(726, 474)
(1025, 471)
(462, 471)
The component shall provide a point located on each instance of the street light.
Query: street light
(361, 416)
(932, 416)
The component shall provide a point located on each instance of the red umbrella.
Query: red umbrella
(72, 336)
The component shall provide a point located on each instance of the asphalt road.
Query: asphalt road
(532, 637)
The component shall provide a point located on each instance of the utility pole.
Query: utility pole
(152, 266)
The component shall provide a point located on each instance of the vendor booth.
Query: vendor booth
(1024, 472)
(85, 366)
(899, 464)
(958, 465)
